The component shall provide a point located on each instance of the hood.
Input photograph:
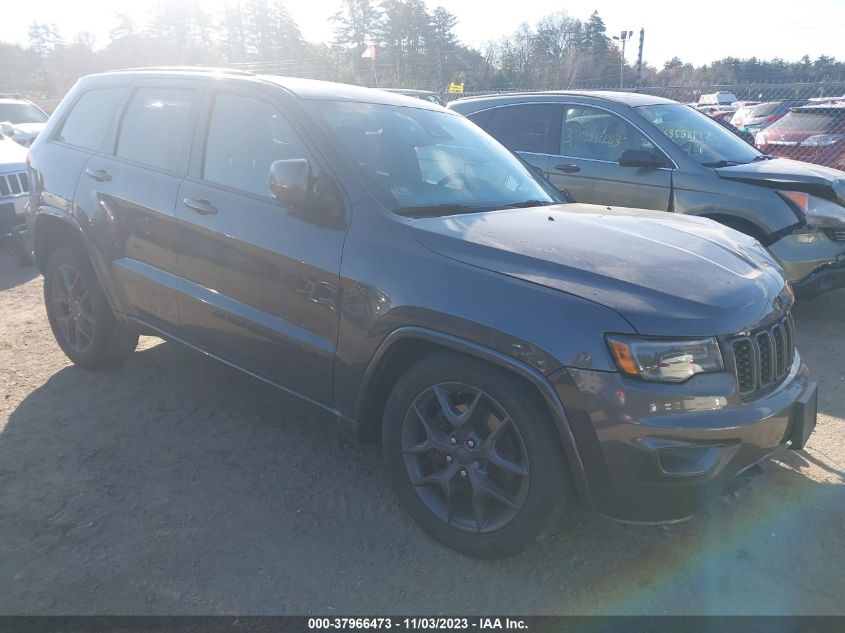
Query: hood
(11, 154)
(667, 275)
(29, 128)
(781, 170)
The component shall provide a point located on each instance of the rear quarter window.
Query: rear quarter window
(89, 118)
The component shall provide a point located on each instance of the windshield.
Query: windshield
(699, 136)
(804, 121)
(21, 113)
(420, 161)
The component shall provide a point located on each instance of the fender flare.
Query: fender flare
(70, 221)
(540, 382)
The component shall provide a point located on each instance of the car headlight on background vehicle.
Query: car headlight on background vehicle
(664, 360)
(818, 211)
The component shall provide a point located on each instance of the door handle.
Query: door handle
(100, 175)
(203, 207)
(568, 168)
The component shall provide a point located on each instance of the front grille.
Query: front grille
(762, 358)
(837, 235)
(13, 184)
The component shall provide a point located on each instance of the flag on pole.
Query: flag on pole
(369, 52)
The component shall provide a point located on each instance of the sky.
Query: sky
(698, 32)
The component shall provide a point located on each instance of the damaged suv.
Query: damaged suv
(391, 263)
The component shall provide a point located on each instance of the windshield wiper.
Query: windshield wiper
(529, 203)
(435, 210)
(723, 163)
(763, 157)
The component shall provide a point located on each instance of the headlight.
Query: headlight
(662, 360)
(819, 212)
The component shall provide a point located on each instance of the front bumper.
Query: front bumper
(812, 262)
(827, 278)
(658, 452)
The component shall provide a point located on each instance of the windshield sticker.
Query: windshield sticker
(401, 193)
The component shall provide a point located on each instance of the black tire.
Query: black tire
(97, 339)
(536, 480)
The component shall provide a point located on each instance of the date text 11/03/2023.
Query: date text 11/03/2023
(418, 623)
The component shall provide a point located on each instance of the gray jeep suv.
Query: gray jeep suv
(637, 150)
(389, 262)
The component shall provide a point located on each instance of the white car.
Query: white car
(21, 120)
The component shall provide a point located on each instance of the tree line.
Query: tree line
(416, 48)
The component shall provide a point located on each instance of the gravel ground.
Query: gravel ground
(175, 485)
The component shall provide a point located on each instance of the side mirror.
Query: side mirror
(640, 158)
(290, 181)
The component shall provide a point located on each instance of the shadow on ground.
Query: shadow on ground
(11, 274)
(177, 485)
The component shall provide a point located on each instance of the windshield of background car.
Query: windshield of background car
(415, 158)
(21, 113)
(699, 136)
(807, 122)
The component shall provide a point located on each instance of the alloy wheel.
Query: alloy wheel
(465, 457)
(74, 313)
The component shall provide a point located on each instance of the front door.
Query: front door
(260, 281)
(587, 162)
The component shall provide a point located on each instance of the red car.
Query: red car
(812, 133)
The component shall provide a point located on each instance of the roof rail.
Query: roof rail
(208, 69)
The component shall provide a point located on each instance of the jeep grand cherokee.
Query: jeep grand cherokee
(388, 261)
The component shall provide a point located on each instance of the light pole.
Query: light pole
(623, 38)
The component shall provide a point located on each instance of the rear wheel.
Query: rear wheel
(472, 454)
(80, 316)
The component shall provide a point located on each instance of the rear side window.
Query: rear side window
(157, 128)
(89, 119)
(245, 136)
(529, 127)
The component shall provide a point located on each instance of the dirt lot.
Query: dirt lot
(176, 485)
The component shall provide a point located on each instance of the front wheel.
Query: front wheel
(79, 314)
(473, 456)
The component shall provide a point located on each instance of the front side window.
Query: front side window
(157, 128)
(245, 136)
(21, 113)
(596, 134)
(425, 161)
(527, 127)
(90, 117)
(698, 136)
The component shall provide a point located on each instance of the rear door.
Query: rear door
(261, 281)
(586, 161)
(531, 130)
(131, 187)
(58, 162)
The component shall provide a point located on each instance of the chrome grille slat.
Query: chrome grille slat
(837, 235)
(763, 357)
(14, 184)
